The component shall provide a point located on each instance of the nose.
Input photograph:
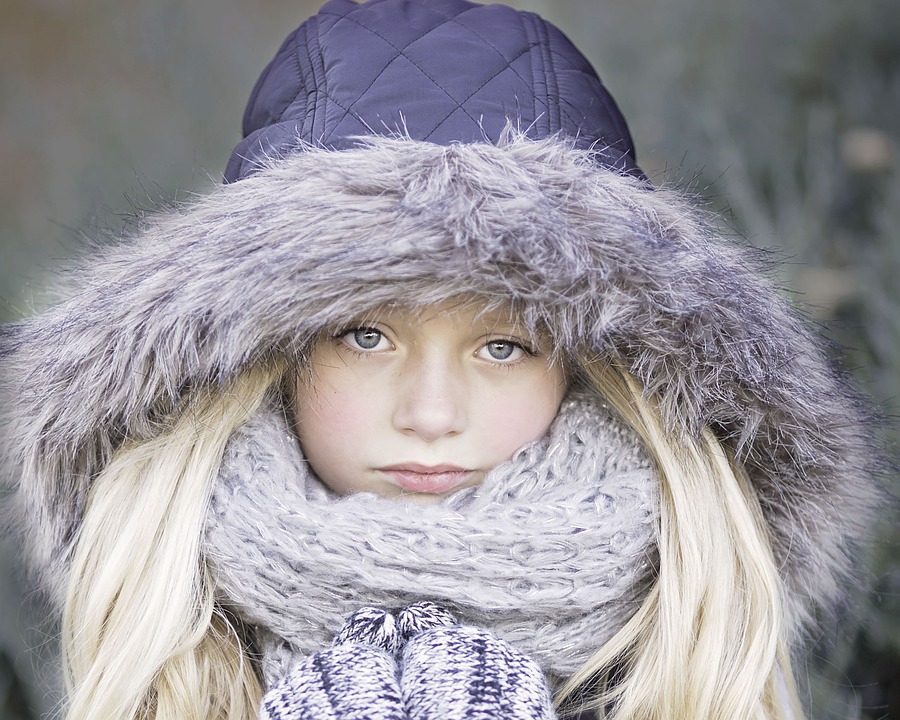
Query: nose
(431, 397)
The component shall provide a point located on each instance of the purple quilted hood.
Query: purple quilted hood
(443, 71)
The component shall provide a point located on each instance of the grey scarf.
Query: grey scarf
(551, 552)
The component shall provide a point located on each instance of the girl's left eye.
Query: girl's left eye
(502, 351)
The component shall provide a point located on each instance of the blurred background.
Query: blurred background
(782, 114)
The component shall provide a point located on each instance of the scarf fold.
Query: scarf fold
(551, 552)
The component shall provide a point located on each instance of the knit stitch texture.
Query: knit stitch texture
(419, 665)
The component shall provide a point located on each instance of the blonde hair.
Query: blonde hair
(709, 640)
(144, 639)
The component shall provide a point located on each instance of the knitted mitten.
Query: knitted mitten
(465, 673)
(449, 672)
(354, 679)
(419, 618)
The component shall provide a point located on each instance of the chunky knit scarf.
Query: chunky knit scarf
(551, 553)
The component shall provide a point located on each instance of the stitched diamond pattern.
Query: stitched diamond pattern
(437, 70)
(412, 78)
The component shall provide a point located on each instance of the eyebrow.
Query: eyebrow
(495, 324)
(494, 318)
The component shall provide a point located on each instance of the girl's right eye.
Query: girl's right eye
(365, 339)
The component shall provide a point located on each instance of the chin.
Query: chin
(420, 498)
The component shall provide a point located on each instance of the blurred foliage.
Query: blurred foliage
(783, 114)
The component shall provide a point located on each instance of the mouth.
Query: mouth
(432, 479)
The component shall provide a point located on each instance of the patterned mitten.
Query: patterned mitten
(354, 679)
(464, 673)
(421, 617)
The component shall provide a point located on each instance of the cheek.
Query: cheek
(512, 419)
(331, 416)
(324, 409)
(332, 397)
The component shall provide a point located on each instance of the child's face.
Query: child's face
(417, 405)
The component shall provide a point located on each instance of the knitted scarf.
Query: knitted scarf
(551, 552)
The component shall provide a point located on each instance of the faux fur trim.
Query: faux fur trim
(612, 266)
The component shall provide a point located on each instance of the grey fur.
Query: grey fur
(612, 266)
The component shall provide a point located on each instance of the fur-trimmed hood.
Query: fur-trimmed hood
(556, 219)
(255, 269)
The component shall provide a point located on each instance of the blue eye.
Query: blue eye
(365, 338)
(500, 350)
(504, 351)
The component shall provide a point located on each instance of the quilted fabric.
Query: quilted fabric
(442, 71)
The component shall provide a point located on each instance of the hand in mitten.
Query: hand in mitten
(447, 672)
(354, 679)
(456, 672)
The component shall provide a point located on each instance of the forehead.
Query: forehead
(466, 310)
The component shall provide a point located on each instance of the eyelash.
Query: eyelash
(527, 352)
(341, 334)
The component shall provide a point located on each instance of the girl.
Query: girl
(435, 408)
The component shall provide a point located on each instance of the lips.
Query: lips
(433, 479)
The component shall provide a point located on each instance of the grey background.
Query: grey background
(783, 114)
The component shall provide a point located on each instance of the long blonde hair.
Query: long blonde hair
(709, 639)
(143, 637)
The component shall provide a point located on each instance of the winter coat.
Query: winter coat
(429, 149)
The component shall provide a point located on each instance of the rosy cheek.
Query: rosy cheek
(345, 417)
(328, 414)
(327, 424)
(517, 419)
(339, 412)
